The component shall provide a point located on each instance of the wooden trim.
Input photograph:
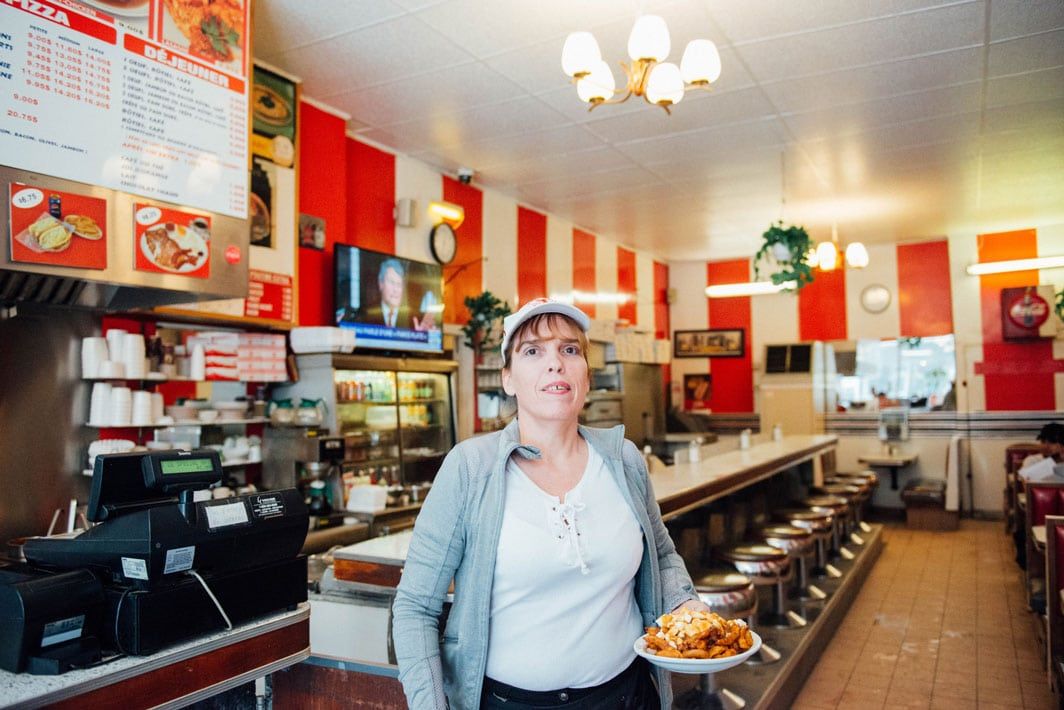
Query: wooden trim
(199, 672)
(367, 572)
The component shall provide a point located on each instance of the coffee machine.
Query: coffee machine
(309, 459)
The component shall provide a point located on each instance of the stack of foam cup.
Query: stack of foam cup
(133, 355)
(142, 409)
(100, 404)
(121, 406)
(156, 406)
(93, 353)
(115, 338)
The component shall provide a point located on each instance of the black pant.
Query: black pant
(632, 689)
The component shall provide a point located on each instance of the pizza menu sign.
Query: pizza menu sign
(145, 96)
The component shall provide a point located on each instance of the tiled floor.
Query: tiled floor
(942, 622)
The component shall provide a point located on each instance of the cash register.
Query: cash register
(172, 567)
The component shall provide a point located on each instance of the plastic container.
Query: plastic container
(322, 339)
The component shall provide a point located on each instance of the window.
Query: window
(919, 372)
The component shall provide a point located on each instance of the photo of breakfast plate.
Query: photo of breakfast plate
(174, 247)
(47, 234)
(84, 226)
(269, 106)
(260, 219)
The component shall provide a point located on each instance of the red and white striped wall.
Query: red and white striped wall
(931, 295)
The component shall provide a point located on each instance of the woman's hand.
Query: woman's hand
(693, 605)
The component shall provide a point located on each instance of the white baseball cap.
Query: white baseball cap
(538, 306)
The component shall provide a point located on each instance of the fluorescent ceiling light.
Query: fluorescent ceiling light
(750, 288)
(1001, 267)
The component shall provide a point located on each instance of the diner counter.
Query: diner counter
(175, 677)
(678, 488)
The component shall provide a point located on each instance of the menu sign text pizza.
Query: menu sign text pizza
(147, 97)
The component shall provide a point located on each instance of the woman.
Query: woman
(554, 541)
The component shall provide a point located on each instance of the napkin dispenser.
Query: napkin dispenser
(49, 623)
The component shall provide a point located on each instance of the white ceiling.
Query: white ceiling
(896, 119)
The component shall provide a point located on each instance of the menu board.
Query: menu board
(145, 96)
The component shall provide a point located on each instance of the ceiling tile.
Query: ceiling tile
(1015, 18)
(367, 57)
(284, 24)
(1021, 88)
(909, 35)
(482, 155)
(1041, 51)
(706, 143)
(744, 20)
(854, 85)
(519, 115)
(550, 166)
(858, 118)
(439, 92)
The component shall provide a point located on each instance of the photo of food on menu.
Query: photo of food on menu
(57, 228)
(212, 31)
(171, 241)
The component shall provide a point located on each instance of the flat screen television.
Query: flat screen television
(391, 303)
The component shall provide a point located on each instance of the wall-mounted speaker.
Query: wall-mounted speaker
(406, 212)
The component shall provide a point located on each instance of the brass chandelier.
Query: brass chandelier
(648, 75)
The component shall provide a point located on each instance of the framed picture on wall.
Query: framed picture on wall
(697, 391)
(715, 342)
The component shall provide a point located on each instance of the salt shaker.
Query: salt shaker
(777, 432)
(744, 439)
(694, 450)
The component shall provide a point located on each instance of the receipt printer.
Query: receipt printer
(49, 623)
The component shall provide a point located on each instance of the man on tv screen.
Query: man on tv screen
(392, 309)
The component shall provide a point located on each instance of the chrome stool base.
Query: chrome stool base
(708, 697)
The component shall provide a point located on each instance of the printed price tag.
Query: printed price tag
(179, 559)
(220, 516)
(134, 568)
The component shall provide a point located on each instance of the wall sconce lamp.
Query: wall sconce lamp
(1003, 267)
(447, 212)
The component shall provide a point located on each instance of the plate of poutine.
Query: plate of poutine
(697, 642)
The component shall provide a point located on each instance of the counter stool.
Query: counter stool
(733, 596)
(822, 524)
(866, 487)
(852, 495)
(799, 544)
(766, 566)
(839, 507)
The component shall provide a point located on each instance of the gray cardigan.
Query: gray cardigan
(456, 537)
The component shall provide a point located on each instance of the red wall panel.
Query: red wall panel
(626, 284)
(322, 183)
(531, 255)
(661, 300)
(584, 267)
(733, 378)
(925, 303)
(465, 276)
(1017, 375)
(822, 307)
(370, 198)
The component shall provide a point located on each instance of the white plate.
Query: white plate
(186, 239)
(696, 665)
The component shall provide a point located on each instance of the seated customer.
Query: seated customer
(1043, 465)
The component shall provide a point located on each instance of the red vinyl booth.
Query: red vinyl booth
(1043, 498)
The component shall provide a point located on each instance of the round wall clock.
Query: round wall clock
(875, 298)
(443, 242)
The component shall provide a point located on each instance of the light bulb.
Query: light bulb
(701, 62)
(827, 256)
(856, 255)
(598, 85)
(580, 53)
(649, 39)
(665, 85)
(812, 259)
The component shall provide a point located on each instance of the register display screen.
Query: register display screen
(177, 466)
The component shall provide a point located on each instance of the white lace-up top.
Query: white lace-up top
(564, 583)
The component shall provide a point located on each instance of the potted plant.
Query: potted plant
(485, 311)
(787, 247)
